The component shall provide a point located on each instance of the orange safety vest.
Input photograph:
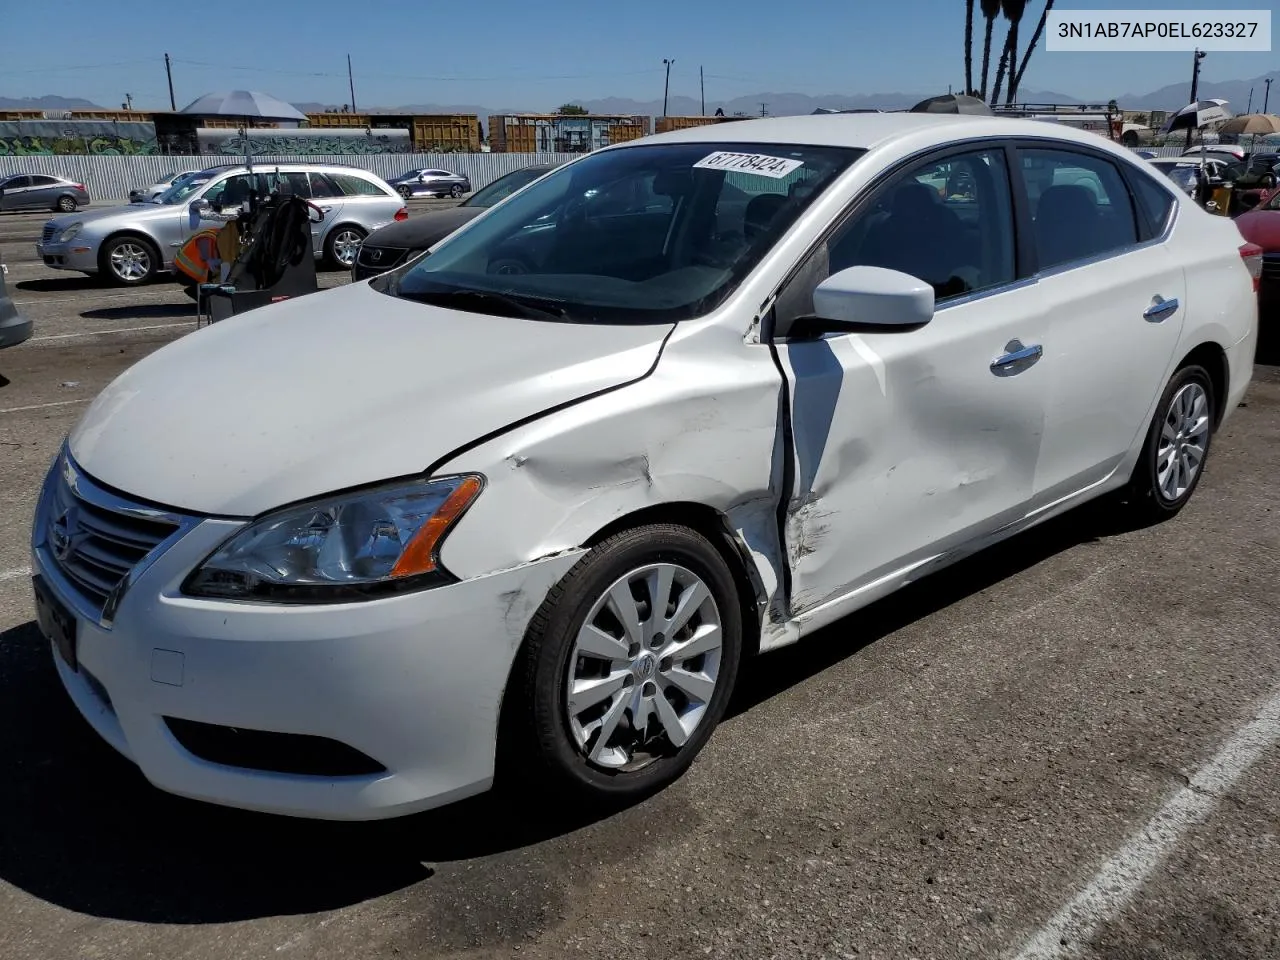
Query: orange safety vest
(193, 259)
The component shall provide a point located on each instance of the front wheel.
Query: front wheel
(405, 193)
(1177, 445)
(129, 261)
(627, 668)
(456, 191)
(342, 246)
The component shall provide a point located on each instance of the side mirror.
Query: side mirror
(866, 300)
(201, 204)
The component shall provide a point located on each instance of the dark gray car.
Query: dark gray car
(14, 328)
(36, 191)
(431, 182)
(396, 243)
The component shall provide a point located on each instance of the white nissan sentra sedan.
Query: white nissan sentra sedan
(522, 506)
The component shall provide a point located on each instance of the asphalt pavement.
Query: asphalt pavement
(1064, 746)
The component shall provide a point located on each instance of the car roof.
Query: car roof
(865, 130)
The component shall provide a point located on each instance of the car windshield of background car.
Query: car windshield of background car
(641, 234)
(181, 190)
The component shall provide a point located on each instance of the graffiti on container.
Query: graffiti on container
(103, 146)
(234, 145)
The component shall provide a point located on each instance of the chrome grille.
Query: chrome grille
(50, 229)
(381, 258)
(95, 545)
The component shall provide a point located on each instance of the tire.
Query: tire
(1184, 421)
(456, 191)
(67, 204)
(405, 193)
(549, 745)
(342, 246)
(129, 261)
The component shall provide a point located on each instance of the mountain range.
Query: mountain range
(1171, 97)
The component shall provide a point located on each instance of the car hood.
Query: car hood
(333, 390)
(418, 233)
(134, 212)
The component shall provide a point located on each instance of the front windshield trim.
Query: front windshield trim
(639, 234)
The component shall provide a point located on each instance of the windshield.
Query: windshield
(639, 234)
(182, 188)
(503, 187)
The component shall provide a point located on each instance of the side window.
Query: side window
(948, 223)
(323, 187)
(1155, 202)
(15, 183)
(353, 186)
(43, 181)
(1080, 206)
(233, 191)
(291, 183)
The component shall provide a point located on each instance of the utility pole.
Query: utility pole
(1266, 96)
(1249, 108)
(666, 88)
(352, 84)
(764, 109)
(128, 101)
(1195, 84)
(168, 69)
(702, 85)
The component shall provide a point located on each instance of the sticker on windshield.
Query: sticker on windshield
(758, 163)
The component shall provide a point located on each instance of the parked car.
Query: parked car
(357, 554)
(36, 191)
(1229, 151)
(14, 327)
(1185, 171)
(1261, 226)
(148, 194)
(130, 245)
(431, 182)
(398, 242)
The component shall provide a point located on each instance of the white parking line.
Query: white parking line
(88, 296)
(41, 406)
(14, 574)
(1068, 932)
(100, 333)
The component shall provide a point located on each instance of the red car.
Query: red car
(1261, 225)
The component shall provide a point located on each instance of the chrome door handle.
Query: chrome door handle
(1016, 358)
(326, 209)
(1160, 309)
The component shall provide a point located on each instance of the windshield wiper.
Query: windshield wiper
(481, 298)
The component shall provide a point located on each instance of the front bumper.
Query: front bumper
(414, 682)
(78, 254)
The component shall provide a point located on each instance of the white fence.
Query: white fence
(111, 178)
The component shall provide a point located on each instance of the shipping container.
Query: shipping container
(622, 132)
(339, 119)
(668, 124)
(446, 133)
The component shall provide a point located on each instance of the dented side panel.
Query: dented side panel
(908, 444)
(703, 428)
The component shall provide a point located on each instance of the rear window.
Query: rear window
(353, 186)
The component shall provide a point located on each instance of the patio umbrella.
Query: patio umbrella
(1199, 114)
(952, 103)
(1255, 124)
(244, 105)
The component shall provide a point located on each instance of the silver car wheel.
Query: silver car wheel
(130, 261)
(67, 204)
(1184, 437)
(346, 246)
(644, 667)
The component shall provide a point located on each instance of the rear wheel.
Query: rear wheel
(67, 204)
(343, 245)
(129, 261)
(628, 667)
(1176, 448)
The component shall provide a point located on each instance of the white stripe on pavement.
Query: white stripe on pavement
(87, 296)
(1068, 932)
(41, 406)
(99, 333)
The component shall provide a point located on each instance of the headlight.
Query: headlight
(70, 233)
(350, 547)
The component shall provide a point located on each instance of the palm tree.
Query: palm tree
(968, 46)
(1016, 81)
(990, 10)
(1013, 10)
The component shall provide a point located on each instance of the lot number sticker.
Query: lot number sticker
(759, 163)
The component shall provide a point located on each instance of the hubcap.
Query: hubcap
(345, 247)
(644, 667)
(130, 261)
(1184, 435)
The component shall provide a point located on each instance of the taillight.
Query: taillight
(402, 213)
(1251, 254)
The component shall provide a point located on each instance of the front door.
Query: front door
(15, 193)
(1115, 297)
(908, 444)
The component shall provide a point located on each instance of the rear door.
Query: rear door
(44, 192)
(1115, 298)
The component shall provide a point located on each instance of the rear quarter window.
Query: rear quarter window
(353, 186)
(1155, 205)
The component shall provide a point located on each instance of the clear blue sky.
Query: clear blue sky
(531, 55)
